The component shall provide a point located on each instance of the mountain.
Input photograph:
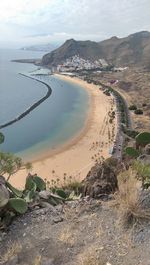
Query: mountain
(131, 50)
(86, 49)
(41, 47)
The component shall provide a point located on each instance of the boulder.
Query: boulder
(144, 159)
(147, 149)
(100, 181)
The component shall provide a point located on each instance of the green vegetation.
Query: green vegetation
(143, 138)
(130, 151)
(139, 164)
(16, 192)
(37, 191)
(10, 164)
(14, 201)
(18, 204)
(40, 184)
(143, 173)
(68, 185)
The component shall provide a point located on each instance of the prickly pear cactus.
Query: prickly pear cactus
(16, 192)
(18, 204)
(30, 196)
(30, 184)
(143, 138)
(41, 185)
(61, 193)
(130, 151)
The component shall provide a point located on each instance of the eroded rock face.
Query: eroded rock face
(100, 181)
(144, 199)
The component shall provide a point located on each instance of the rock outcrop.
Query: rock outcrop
(101, 180)
(147, 149)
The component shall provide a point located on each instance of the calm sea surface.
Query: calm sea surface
(51, 124)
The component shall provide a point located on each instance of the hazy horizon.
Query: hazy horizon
(30, 22)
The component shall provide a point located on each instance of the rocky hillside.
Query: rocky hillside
(131, 50)
(86, 49)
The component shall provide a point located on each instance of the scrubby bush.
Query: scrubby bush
(143, 173)
(132, 152)
(10, 164)
(138, 111)
(133, 107)
(130, 133)
(128, 198)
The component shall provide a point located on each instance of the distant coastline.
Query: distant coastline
(32, 61)
(31, 108)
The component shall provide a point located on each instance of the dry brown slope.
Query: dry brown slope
(131, 50)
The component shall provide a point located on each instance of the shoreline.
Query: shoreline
(76, 156)
(73, 140)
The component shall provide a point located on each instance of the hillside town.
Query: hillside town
(77, 63)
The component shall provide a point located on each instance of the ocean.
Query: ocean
(51, 124)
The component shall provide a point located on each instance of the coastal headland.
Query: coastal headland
(76, 157)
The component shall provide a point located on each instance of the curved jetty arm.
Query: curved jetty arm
(35, 105)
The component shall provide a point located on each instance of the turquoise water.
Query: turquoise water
(52, 123)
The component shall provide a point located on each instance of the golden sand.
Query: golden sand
(76, 157)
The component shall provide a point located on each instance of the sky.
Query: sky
(31, 22)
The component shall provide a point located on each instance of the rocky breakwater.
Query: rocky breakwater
(31, 108)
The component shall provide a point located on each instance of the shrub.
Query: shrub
(10, 164)
(130, 151)
(142, 173)
(130, 208)
(138, 111)
(133, 107)
(111, 162)
(143, 138)
(131, 133)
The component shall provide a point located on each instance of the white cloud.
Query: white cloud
(13, 10)
(59, 19)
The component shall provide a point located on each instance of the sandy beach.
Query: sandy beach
(76, 157)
